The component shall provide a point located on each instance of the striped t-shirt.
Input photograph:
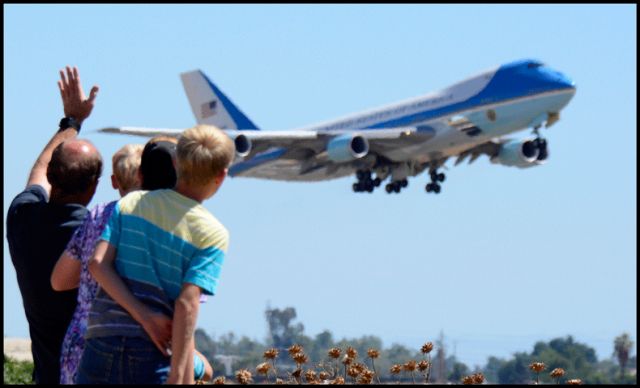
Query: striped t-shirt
(163, 240)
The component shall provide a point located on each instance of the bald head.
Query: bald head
(75, 167)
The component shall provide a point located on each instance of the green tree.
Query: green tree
(490, 371)
(283, 333)
(205, 344)
(320, 345)
(621, 348)
(17, 372)
(516, 371)
(458, 371)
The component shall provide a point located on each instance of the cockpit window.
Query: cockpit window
(534, 65)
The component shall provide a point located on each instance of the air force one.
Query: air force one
(396, 141)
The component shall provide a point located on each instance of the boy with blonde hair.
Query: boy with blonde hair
(167, 259)
(125, 165)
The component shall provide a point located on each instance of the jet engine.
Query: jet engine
(522, 153)
(243, 145)
(347, 147)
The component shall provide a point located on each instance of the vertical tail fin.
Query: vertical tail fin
(210, 105)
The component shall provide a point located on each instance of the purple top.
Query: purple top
(81, 247)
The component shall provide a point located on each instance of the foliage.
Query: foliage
(17, 372)
(621, 347)
(459, 371)
(577, 359)
(283, 333)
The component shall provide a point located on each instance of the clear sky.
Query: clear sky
(501, 258)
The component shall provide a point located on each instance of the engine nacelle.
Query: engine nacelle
(347, 147)
(522, 153)
(242, 143)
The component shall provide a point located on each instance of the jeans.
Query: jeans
(122, 360)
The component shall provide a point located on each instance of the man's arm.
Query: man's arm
(75, 105)
(183, 340)
(156, 324)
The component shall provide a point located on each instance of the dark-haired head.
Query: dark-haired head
(157, 168)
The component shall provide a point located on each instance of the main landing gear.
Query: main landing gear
(435, 178)
(365, 183)
(395, 187)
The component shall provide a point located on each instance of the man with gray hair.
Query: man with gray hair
(41, 220)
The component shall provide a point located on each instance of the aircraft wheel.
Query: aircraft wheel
(355, 188)
(436, 188)
(404, 182)
(441, 177)
(376, 182)
(388, 188)
(360, 175)
(428, 187)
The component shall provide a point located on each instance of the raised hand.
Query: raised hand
(75, 103)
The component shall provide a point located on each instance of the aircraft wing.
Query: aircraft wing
(140, 131)
(319, 155)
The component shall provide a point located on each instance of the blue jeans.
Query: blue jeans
(122, 360)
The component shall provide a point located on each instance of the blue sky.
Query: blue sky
(501, 258)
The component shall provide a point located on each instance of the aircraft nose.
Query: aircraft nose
(565, 81)
(560, 80)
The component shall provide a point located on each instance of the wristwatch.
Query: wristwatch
(68, 122)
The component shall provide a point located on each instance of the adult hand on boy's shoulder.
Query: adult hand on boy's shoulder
(158, 327)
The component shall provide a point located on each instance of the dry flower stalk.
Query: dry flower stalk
(337, 381)
(574, 382)
(410, 366)
(537, 367)
(467, 380)
(295, 349)
(310, 375)
(478, 378)
(351, 352)
(395, 369)
(352, 371)
(427, 348)
(243, 376)
(366, 377)
(219, 380)
(373, 353)
(557, 373)
(334, 352)
(263, 368)
(300, 358)
(270, 354)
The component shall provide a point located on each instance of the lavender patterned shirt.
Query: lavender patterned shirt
(81, 247)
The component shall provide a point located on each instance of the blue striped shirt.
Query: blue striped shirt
(163, 240)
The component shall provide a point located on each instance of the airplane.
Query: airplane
(396, 141)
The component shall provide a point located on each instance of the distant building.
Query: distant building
(227, 361)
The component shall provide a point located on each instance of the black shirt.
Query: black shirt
(38, 233)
